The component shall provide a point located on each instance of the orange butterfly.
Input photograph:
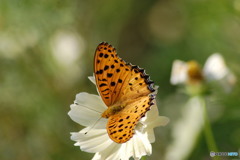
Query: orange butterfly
(125, 88)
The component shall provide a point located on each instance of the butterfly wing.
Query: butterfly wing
(107, 70)
(124, 85)
(121, 126)
(117, 80)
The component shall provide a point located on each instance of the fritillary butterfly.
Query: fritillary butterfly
(125, 88)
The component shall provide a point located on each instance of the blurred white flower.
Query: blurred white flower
(195, 79)
(67, 48)
(179, 72)
(214, 69)
(186, 130)
(87, 110)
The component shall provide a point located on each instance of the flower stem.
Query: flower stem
(208, 130)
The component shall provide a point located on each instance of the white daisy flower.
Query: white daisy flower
(87, 110)
(195, 79)
(186, 130)
(214, 69)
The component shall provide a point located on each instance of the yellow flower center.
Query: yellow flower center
(194, 72)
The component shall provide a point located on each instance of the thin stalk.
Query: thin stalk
(208, 129)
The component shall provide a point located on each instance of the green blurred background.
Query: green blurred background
(46, 54)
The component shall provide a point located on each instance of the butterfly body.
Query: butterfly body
(126, 90)
(111, 111)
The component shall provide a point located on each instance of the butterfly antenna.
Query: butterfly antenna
(88, 108)
(93, 125)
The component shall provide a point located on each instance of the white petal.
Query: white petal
(110, 153)
(147, 144)
(126, 150)
(152, 119)
(137, 147)
(83, 115)
(141, 145)
(87, 109)
(152, 113)
(159, 121)
(92, 79)
(95, 140)
(179, 72)
(151, 135)
(215, 67)
(97, 156)
(91, 101)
